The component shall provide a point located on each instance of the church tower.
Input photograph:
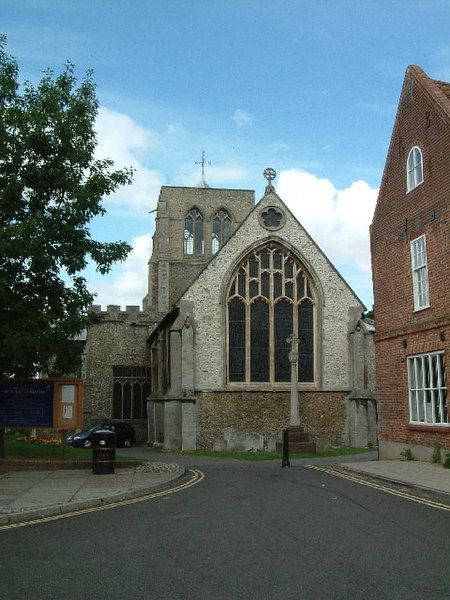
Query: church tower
(192, 224)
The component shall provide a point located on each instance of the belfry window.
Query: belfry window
(270, 298)
(221, 230)
(194, 241)
(414, 168)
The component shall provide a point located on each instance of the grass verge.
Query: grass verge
(256, 456)
(43, 451)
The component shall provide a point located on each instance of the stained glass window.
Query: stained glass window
(306, 337)
(237, 330)
(270, 298)
(259, 340)
(283, 323)
(131, 388)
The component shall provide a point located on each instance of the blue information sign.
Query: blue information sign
(26, 403)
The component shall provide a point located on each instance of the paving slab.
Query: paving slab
(26, 495)
(423, 475)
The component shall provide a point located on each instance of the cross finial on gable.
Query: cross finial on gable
(270, 175)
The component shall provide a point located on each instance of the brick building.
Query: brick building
(411, 274)
(229, 281)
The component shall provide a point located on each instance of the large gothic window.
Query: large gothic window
(221, 229)
(194, 241)
(269, 299)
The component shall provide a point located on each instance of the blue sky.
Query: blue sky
(308, 87)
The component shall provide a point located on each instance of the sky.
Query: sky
(307, 87)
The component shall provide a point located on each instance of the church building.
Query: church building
(234, 289)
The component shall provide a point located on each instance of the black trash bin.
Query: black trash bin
(103, 452)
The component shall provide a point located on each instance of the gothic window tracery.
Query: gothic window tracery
(194, 237)
(270, 298)
(221, 229)
(131, 387)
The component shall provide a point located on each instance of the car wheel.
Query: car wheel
(87, 444)
(127, 443)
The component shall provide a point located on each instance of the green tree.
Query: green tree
(51, 187)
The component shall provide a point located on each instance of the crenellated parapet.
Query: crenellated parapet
(132, 315)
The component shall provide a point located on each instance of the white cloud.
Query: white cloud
(127, 144)
(338, 220)
(127, 283)
(242, 118)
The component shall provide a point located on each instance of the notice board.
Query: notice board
(26, 403)
(55, 403)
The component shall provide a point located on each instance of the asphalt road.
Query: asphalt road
(247, 530)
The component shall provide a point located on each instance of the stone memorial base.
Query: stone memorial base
(299, 440)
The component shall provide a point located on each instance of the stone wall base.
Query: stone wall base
(393, 451)
(254, 421)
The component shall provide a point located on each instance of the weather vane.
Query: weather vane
(203, 164)
(270, 175)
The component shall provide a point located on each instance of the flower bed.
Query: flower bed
(48, 441)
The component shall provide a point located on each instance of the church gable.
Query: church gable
(303, 282)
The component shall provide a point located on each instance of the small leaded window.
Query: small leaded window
(270, 299)
(414, 168)
(194, 242)
(221, 230)
(131, 388)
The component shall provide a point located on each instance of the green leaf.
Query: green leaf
(51, 187)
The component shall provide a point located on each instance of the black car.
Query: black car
(125, 435)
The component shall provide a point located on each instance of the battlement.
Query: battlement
(113, 312)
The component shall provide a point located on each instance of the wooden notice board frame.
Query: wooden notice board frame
(68, 396)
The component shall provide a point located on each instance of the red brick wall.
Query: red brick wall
(400, 217)
(392, 382)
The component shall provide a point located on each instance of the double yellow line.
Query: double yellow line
(345, 475)
(194, 476)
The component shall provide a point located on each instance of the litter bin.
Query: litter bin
(103, 452)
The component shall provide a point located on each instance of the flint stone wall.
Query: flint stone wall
(118, 340)
(255, 420)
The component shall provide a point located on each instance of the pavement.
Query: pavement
(29, 495)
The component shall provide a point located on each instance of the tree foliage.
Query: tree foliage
(51, 187)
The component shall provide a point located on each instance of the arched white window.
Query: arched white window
(414, 168)
(270, 298)
(194, 242)
(221, 230)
